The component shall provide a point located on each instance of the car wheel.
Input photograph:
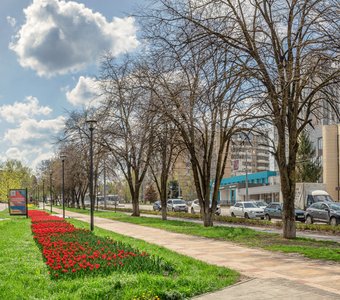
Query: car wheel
(246, 215)
(309, 220)
(192, 211)
(233, 215)
(333, 221)
(267, 217)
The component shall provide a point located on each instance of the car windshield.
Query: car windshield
(249, 205)
(178, 202)
(261, 203)
(321, 198)
(335, 206)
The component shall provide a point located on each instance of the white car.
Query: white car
(248, 210)
(196, 209)
(177, 205)
(259, 203)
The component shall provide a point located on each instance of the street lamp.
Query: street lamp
(91, 124)
(247, 195)
(38, 196)
(51, 190)
(43, 194)
(63, 157)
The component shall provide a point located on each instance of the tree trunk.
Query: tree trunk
(164, 213)
(82, 200)
(287, 177)
(163, 195)
(208, 218)
(288, 215)
(135, 203)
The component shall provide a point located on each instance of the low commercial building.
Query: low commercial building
(255, 186)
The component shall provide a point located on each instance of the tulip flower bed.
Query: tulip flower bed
(71, 252)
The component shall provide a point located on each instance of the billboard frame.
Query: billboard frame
(11, 197)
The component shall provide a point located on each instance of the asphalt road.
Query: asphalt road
(224, 210)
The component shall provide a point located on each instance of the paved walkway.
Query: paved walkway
(3, 206)
(273, 275)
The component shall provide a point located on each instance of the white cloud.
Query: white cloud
(60, 37)
(11, 21)
(30, 157)
(20, 111)
(34, 133)
(30, 138)
(85, 93)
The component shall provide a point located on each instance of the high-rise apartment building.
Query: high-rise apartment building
(249, 154)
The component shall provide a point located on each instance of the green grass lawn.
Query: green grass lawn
(274, 242)
(24, 275)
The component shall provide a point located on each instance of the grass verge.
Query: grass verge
(274, 242)
(326, 228)
(25, 276)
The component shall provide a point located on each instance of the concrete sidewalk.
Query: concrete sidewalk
(274, 275)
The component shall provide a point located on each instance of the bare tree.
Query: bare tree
(126, 125)
(166, 150)
(290, 51)
(199, 89)
(74, 144)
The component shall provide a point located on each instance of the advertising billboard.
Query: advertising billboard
(17, 202)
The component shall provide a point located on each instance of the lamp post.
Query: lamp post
(43, 195)
(91, 124)
(247, 196)
(104, 184)
(51, 202)
(63, 157)
(38, 197)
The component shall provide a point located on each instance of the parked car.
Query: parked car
(274, 211)
(326, 212)
(260, 204)
(177, 205)
(157, 206)
(195, 208)
(246, 209)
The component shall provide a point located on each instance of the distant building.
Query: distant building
(182, 173)
(259, 186)
(328, 152)
(249, 153)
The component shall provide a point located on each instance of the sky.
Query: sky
(50, 53)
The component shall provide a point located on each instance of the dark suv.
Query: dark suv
(326, 212)
(274, 211)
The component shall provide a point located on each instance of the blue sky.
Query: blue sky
(49, 54)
